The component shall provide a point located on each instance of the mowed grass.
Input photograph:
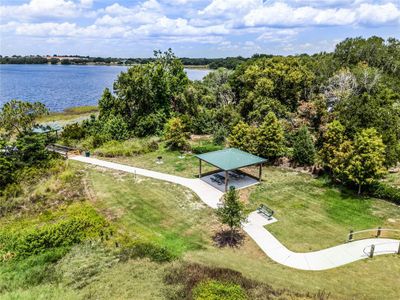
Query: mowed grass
(313, 215)
(151, 210)
(169, 214)
(173, 163)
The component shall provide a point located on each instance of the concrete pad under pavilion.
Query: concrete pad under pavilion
(228, 162)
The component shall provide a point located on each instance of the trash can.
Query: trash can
(87, 153)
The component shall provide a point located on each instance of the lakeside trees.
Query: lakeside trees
(306, 108)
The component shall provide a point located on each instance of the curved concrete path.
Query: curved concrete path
(318, 260)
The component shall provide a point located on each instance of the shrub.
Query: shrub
(175, 135)
(127, 148)
(115, 128)
(73, 132)
(303, 147)
(219, 137)
(215, 290)
(384, 191)
(204, 148)
(82, 223)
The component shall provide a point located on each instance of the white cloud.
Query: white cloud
(281, 14)
(45, 8)
(229, 7)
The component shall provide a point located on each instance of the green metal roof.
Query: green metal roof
(45, 128)
(230, 159)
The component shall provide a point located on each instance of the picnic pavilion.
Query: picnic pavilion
(228, 163)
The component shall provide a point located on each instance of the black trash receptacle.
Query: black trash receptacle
(87, 153)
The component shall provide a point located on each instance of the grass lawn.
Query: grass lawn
(364, 279)
(171, 216)
(173, 164)
(151, 210)
(313, 215)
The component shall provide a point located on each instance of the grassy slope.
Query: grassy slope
(371, 275)
(152, 210)
(314, 215)
(181, 222)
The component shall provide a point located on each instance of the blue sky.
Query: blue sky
(194, 28)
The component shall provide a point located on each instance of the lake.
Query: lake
(62, 86)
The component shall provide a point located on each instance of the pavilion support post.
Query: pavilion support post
(226, 180)
(259, 172)
(199, 168)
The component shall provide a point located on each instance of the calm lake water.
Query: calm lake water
(61, 86)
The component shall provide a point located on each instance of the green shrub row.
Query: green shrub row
(127, 148)
(204, 148)
(384, 191)
(61, 234)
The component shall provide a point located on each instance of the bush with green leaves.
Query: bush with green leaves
(141, 249)
(175, 135)
(80, 222)
(382, 190)
(205, 147)
(115, 128)
(270, 137)
(129, 147)
(73, 131)
(303, 147)
(216, 290)
(220, 135)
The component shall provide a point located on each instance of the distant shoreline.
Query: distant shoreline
(197, 67)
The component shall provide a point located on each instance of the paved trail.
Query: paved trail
(318, 260)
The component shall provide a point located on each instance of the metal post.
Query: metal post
(260, 173)
(199, 168)
(226, 180)
(350, 235)
(398, 250)
(378, 233)
(371, 252)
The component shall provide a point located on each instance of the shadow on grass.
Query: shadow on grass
(226, 238)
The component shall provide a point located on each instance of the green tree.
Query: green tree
(275, 84)
(108, 105)
(175, 135)
(270, 137)
(332, 139)
(244, 137)
(19, 117)
(115, 128)
(147, 94)
(303, 147)
(231, 212)
(367, 162)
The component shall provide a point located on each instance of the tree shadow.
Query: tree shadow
(224, 238)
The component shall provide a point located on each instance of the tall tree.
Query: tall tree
(360, 162)
(244, 137)
(270, 137)
(303, 147)
(333, 137)
(367, 163)
(19, 117)
(147, 94)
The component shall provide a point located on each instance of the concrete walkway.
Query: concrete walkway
(318, 260)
